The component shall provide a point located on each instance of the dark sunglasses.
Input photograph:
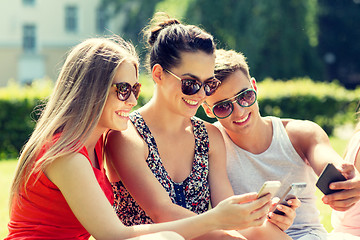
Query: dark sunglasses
(124, 89)
(192, 86)
(225, 108)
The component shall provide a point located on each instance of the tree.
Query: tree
(277, 36)
(339, 40)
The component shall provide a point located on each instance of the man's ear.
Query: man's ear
(207, 110)
(253, 84)
(157, 73)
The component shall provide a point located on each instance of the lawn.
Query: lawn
(7, 168)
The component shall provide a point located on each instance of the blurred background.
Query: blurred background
(282, 39)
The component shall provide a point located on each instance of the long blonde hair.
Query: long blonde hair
(75, 106)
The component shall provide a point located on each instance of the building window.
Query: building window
(71, 19)
(101, 20)
(29, 38)
(29, 2)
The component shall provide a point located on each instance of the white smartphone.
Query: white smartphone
(269, 187)
(293, 191)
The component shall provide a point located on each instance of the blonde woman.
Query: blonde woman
(60, 190)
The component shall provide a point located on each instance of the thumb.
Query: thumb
(348, 170)
(244, 198)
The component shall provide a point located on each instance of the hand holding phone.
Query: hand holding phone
(329, 174)
(269, 187)
(293, 191)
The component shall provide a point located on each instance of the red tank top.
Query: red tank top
(44, 212)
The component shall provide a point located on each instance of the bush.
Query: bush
(20, 108)
(327, 104)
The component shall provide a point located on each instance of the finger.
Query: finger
(341, 209)
(348, 170)
(342, 195)
(294, 203)
(274, 201)
(348, 184)
(243, 198)
(343, 204)
(261, 212)
(286, 210)
(258, 222)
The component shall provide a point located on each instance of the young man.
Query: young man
(268, 148)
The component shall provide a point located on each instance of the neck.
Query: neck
(159, 117)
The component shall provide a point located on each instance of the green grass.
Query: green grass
(7, 168)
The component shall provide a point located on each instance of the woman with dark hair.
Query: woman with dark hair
(169, 164)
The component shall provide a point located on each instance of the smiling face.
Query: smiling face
(116, 113)
(194, 65)
(242, 119)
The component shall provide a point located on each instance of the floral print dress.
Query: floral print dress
(193, 193)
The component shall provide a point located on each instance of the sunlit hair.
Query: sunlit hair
(227, 62)
(168, 38)
(75, 105)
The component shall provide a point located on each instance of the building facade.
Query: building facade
(35, 35)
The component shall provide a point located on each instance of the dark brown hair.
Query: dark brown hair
(167, 38)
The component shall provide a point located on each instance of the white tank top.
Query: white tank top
(349, 221)
(247, 172)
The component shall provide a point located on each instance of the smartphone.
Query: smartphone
(269, 187)
(293, 191)
(329, 174)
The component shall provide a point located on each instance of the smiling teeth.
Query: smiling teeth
(242, 120)
(123, 114)
(191, 102)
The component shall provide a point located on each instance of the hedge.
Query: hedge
(328, 104)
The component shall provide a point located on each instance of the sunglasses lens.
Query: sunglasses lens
(136, 90)
(123, 90)
(223, 110)
(211, 86)
(247, 98)
(190, 86)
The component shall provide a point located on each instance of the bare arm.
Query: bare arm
(313, 145)
(127, 154)
(89, 204)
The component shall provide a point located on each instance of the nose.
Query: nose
(239, 110)
(201, 92)
(132, 101)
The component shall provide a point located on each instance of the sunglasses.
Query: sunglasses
(124, 89)
(225, 108)
(192, 86)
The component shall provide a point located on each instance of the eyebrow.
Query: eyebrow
(196, 77)
(226, 99)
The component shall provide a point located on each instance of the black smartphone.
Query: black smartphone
(329, 174)
(293, 191)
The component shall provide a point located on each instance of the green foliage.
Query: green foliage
(17, 115)
(278, 36)
(339, 39)
(327, 104)
(21, 106)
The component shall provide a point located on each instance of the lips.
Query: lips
(191, 102)
(242, 120)
(122, 114)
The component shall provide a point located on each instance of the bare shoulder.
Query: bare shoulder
(304, 131)
(126, 139)
(213, 131)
